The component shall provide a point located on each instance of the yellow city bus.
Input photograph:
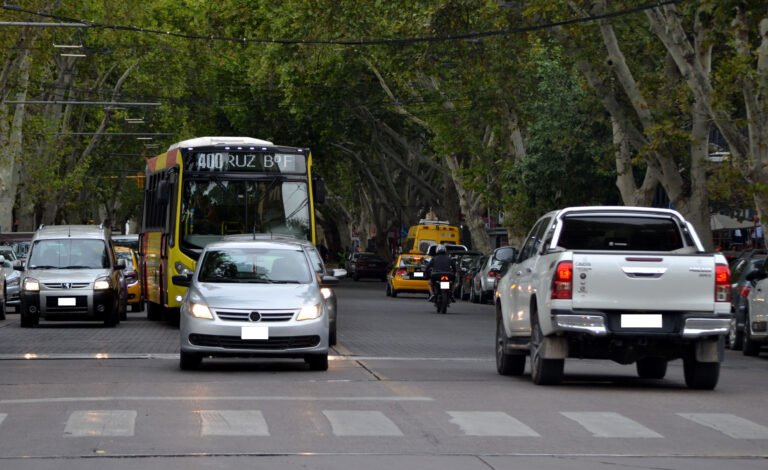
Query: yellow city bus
(205, 188)
(430, 232)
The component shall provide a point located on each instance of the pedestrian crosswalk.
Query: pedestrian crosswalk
(377, 423)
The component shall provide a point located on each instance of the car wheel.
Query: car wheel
(506, 363)
(482, 299)
(735, 335)
(464, 293)
(137, 307)
(472, 297)
(2, 310)
(189, 361)
(29, 320)
(389, 290)
(543, 371)
(394, 292)
(332, 336)
(355, 278)
(317, 361)
(112, 318)
(651, 367)
(700, 375)
(750, 347)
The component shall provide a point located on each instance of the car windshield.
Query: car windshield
(413, 261)
(254, 265)
(69, 253)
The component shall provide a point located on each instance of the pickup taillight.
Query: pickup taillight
(562, 282)
(722, 283)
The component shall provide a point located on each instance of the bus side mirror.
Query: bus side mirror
(183, 280)
(163, 192)
(318, 187)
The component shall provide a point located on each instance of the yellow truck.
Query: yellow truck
(428, 233)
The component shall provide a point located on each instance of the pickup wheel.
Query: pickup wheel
(651, 367)
(543, 371)
(701, 375)
(506, 364)
(735, 335)
(751, 348)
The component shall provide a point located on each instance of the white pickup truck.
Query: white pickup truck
(629, 284)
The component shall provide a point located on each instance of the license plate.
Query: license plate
(254, 332)
(67, 301)
(445, 285)
(641, 321)
(418, 274)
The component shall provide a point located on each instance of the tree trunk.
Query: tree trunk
(471, 206)
(9, 169)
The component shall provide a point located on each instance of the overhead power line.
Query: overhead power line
(84, 103)
(351, 42)
(43, 25)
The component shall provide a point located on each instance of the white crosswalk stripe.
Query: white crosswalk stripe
(490, 423)
(233, 423)
(97, 423)
(361, 423)
(608, 424)
(728, 424)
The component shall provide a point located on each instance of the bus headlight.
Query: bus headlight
(31, 285)
(200, 311)
(181, 268)
(309, 312)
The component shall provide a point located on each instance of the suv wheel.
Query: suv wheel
(750, 348)
(506, 363)
(543, 371)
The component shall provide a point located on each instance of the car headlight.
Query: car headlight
(31, 285)
(309, 312)
(200, 311)
(326, 292)
(181, 268)
(102, 284)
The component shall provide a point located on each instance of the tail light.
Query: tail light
(444, 278)
(744, 291)
(722, 283)
(401, 272)
(562, 282)
(493, 273)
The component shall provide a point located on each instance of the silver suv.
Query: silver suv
(71, 274)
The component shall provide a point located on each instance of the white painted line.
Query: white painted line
(607, 424)
(233, 423)
(175, 357)
(490, 423)
(27, 401)
(99, 423)
(728, 424)
(361, 423)
(2, 417)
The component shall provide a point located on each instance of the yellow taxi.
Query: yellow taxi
(409, 274)
(131, 276)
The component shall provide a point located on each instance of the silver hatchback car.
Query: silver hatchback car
(254, 298)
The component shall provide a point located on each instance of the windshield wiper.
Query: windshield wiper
(78, 267)
(286, 282)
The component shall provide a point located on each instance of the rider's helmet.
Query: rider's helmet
(441, 250)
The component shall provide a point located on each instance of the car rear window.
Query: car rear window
(256, 265)
(413, 261)
(620, 234)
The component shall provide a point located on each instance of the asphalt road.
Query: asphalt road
(406, 388)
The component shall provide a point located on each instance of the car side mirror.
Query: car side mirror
(18, 265)
(506, 254)
(120, 264)
(337, 273)
(329, 281)
(182, 280)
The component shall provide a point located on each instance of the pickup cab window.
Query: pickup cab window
(620, 234)
(534, 240)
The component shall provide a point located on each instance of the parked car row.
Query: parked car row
(748, 330)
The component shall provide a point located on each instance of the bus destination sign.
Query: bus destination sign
(246, 162)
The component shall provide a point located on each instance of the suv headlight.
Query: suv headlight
(31, 285)
(200, 311)
(102, 284)
(309, 312)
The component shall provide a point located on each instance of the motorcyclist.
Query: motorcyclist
(440, 265)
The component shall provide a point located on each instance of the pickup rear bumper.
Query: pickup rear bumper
(618, 323)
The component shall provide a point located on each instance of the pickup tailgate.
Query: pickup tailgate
(646, 282)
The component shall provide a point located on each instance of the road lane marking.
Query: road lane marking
(728, 424)
(26, 401)
(361, 423)
(490, 423)
(233, 423)
(2, 417)
(175, 357)
(608, 424)
(99, 423)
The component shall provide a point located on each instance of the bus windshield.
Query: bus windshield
(216, 207)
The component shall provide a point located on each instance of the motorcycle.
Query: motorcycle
(443, 294)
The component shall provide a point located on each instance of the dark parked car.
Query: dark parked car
(469, 276)
(463, 263)
(746, 263)
(369, 265)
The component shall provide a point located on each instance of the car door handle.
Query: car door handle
(519, 273)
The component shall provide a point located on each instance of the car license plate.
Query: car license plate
(641, 321)
(67, 302)
(418, 274)
(445, 285)
(254, 332)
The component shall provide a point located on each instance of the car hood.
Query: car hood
(246, 296)
(67, 275)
